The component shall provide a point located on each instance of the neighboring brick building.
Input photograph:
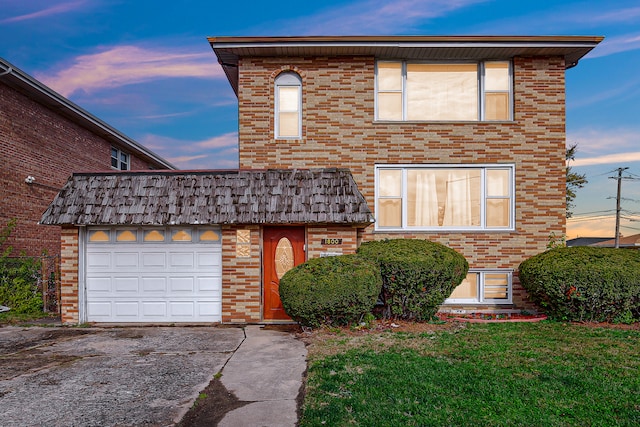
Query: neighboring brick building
(460, 140)
(44, 138)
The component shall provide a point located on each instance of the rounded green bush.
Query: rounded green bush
(585, 283)
(331, 290)
(417, 275)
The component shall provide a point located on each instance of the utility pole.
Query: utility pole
(618, 209)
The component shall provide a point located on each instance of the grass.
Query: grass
(13, 318)
(517, 374)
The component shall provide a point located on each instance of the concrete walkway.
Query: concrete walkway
(267, 370)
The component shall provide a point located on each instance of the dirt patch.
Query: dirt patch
(18, 364)
(212, 405)
(16, 342)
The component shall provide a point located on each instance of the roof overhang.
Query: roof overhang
(42, 94)
(272, 196)
(437, 48)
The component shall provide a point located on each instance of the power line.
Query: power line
(619, 178)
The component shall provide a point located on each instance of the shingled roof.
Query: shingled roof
(274, 196)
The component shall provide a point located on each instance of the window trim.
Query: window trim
(140, 232)
(483, 195)
(118, 158)
(481, 95)
(481, 285)
(287, 79)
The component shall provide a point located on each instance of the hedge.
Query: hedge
(334, 290)
(417, 275)
(585, 283)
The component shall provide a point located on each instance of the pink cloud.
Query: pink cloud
(124, 65)
(227, 140)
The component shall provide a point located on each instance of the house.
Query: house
(459, 140)
(625, 242)
(587, 241)
(44, 137)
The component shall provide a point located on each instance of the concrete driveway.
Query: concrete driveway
(133, 376)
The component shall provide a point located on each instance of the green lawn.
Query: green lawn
(509, 374)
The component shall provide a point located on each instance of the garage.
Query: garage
(154, 274)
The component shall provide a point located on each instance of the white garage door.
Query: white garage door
(154, 275)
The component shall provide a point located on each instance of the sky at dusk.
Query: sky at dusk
(146, 68)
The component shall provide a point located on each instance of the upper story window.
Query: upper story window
(444, 197)
(119, 160)
(418, 91)
(288, 106)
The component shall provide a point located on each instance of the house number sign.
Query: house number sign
(332, 242)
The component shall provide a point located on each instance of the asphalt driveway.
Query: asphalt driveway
(140, 376)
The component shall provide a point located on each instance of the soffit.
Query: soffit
(458, 48)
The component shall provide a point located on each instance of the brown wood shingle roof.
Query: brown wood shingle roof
(274, 196)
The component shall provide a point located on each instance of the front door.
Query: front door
(283, 249)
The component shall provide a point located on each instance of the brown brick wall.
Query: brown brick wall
(241, 278)
(339, 130)
(315, 234)
(69, 304)
(35, 141)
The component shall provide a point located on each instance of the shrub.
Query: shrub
(417, 275)
(585, 283)
(19, 279)
(19, 285)
(330, 290)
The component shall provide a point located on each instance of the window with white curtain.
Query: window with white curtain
(483, 286)
(288, 106)
(419, 91)
(453, 197)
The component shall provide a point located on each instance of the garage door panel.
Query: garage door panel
(124, 309)
(153, 281)
(156, 309)
(126, 284)
(182, 309)
(208, 283)
(99, 284)
(209, 259)
(97, 260)
(181, 260)
(154, 284)
(99, 310)
(211, 308)
(154, 260)
(126, 260)
(181, 284)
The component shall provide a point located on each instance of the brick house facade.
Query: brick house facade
(47, 137)
(339, 125)
(486, 178)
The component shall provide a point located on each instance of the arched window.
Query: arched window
(288, 108)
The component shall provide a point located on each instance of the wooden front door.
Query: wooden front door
(283, 248)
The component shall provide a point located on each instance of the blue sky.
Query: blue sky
(146, 68)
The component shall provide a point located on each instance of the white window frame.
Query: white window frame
(483, 196)
(481, 89)
(287, 79)
(481, 287)
(117, 155)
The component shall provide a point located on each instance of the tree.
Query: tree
(575, 181)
